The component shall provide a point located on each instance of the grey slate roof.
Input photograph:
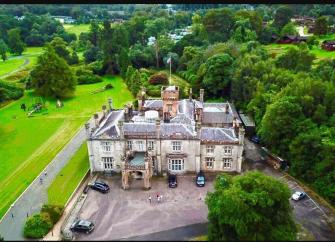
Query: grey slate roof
(139, 128)
(217, 134)
(155, 103)
(109, 125)
(169, 130)
(216, 113)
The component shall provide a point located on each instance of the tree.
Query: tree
(289, 29)
(218, 24)
(252, 206)
(3, 50)
(321, 26)
(15, 44)
(243, 32)
(94, 33)
(60, 48)
(217, 74)
(296, 59)
(124, 62)
(36, 227)
(282, 17)
(280, 123)
(312, 41)
(92, 54)
(52, 76)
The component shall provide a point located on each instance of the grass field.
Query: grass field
(76, 28)
(29, 144)
(29, 56)
(69, 177)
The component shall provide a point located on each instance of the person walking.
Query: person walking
(150, 199)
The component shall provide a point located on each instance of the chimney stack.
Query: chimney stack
(96, 120)
(190, 94)
(227, 108)
(126, 114)
(87, 128)
(120, 125)
(158, 124)
(202, 91)
(198, 126)
(104, 110)
(110, 102)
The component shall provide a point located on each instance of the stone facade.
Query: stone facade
(185, 140)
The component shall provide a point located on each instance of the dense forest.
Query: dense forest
(290, 95)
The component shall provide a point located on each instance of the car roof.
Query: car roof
(84, 223)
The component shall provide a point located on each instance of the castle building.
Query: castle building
(166, 135)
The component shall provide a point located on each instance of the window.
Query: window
(176, 164)
(210, 149)
(227, 163)
(150, 145)
(176, 145)
(106, 146)
(169, 107)
(140, 145)
(209, 162)
(129, 145)
(107, 163)
(227, 150)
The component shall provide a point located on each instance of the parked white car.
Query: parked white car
(298, 195)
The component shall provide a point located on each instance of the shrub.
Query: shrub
(96, 67)
(108, 86)
(86, 77)
(9, 91)
(159, 78)
(36, 227)
(54, 212)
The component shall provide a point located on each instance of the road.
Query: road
(307, 211)
(32, 199)
(26, 62)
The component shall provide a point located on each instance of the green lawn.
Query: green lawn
(76, 28)
(29, 144)
(69, 177)
(15, 62)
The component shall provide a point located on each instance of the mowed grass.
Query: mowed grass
(16, 62)
(10, 65)
(69, 177)
(76, 28)
(29, 144)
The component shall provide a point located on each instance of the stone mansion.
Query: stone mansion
(166, 135)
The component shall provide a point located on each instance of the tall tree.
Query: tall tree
(60, 48)
(15, 44)
(3, 50)
(252, 206)
(321, 26)
(124, 62)
(52, 76)
(282, 17)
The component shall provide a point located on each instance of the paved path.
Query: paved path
(32, 199)
(184, 233)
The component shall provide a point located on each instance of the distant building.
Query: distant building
(166, 135)
(291, 39)
(19, 17)
(328, 45)
(64, 19)
(151, 40)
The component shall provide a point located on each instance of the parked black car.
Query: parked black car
(172, 180)
(82, 226)
(200, 179)
(99, 186)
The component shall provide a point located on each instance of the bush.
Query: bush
(108, 86)
(36, 227)
(54, 212)
(86, 77)
(96, 67)
(159, 78)
(9, 91)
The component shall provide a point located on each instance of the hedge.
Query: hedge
(9, 91)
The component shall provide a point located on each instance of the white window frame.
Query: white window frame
(209, 160)
(210, 149)
(169, 107)
(140, 145)
(108, 163)
(151, 145)
(176, 165)
(129, 145)
(228, 150)
(176, 145)
(106, 146)
(227, 163)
